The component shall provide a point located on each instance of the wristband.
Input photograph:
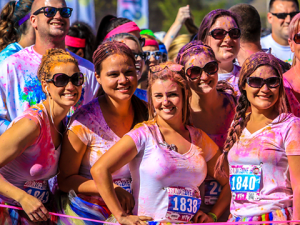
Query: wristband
(215, 218)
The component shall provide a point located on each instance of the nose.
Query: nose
(265, 88)
(70, 86)
(227, 37)
(122, 78)
(288, 19)
(204, 76)
(57, 15)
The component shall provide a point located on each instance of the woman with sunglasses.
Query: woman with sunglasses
(220, 30)
(211, 102)
(96, 127)
(168, 158)
(30, 147)
(263, 147)
(291, 78)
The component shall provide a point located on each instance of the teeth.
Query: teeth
(124, 88)
(69, 95)
(168, 110)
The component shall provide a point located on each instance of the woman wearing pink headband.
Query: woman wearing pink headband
(111, 25)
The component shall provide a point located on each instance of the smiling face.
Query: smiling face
(56, 26)
(139, 61)
(118, 77)
(167, 100)
(205, 83)
(263, 98)
(63, 96)
(227, 48)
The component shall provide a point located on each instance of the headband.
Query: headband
(74, 42)
(124, 28)
(151, 43)
(24, 19)
(148, 32)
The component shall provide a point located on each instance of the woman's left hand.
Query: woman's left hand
(201, 217)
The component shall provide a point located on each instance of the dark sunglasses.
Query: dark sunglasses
(297, 38)
(141, 54)
(257, 82)
(284, 15)
(61, 79)
(220, 33)
(49, 11)
(194, 72)
(142, 41)
(158, 55)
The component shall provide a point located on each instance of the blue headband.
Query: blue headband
(24, 19)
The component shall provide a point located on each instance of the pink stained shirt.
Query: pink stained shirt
(37, 162)
(89, 125)
(232, 78)
(155, 168)
(268, 147)
(293, 102)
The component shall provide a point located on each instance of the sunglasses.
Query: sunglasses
(284, 15)
(61, 79)
(194, 72)
(141, 54)
(142, 41)
(158, 55)
(160, 67)
(49, 11)
(257, 82)
(297, 38)
(219, 33)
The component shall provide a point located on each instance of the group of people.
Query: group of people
(134, 138)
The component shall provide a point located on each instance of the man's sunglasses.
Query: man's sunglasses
(258, 82)
(284, 15)
(220, 33)
(140, 54)
(142, 41)
(158, 55)
(194, 72)
(49, 11)
(61, 79)
(297, 38)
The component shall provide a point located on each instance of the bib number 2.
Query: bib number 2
(183, 204)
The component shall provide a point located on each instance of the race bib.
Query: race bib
(124, 183)
(212, 191)
(245, 182)
(38, 189)
(183, 203)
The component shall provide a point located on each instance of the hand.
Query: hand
(125, 198)
(201, 217)
(133, 220)
(183, 14)
(34, 208)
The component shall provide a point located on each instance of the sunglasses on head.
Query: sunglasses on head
(284, 15)
(50, 11)
(219, 33)
(194, 72)
(258, 82)
(160, 67)
(61, 79)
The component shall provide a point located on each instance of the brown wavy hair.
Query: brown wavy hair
(240, 119)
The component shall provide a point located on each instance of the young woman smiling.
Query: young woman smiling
(212, 108)
(168, 159)
(30, 148)
(263, 147)
(95, 128)
(220, 30)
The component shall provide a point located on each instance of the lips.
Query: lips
(70, 95)
(168, 110)
(124, 89)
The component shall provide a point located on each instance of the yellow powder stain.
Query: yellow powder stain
(273, 180)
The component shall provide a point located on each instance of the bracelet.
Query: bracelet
(213, 216)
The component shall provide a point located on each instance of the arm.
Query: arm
(4, 120)
(223, 201)
(294, 169)
(73, 150)
(12, 143)
(117, 156)
(182, 15)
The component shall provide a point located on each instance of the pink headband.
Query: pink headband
(124, 28)
(151, 43)
(74, 42)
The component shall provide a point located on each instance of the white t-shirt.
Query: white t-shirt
(268, 148)
(232, 78)
(281, 52)
(20, 87)
(156, 169)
